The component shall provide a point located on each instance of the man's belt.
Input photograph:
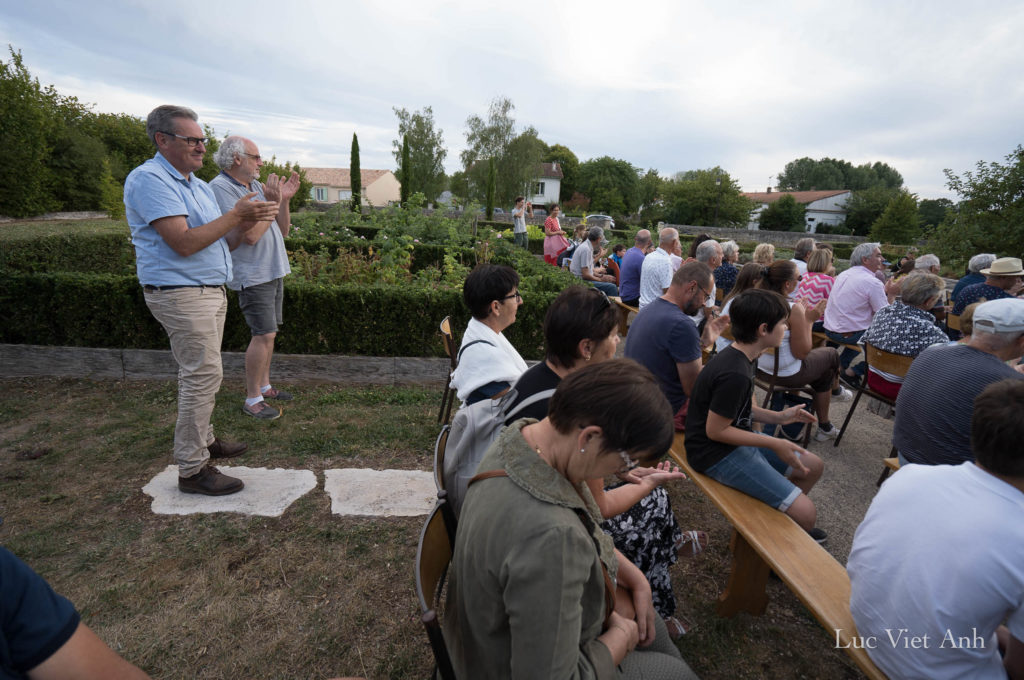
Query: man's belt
(153, 289)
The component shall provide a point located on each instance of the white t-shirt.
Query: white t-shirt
(582, 258)
(655, 276)
(519, 220)
(940, 553)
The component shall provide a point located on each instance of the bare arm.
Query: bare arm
(633, 580)
(642, 481)
(85, 657)
(800, 330)
(688, 373)
(1013, 658)
(720, 429)
(232, 225)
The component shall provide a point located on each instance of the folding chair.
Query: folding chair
(953, 322)
(767, 381)
(895, 364)
(448, 397)
(433, 556)
(439, 447)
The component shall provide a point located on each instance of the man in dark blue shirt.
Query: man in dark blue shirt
(632, 263)
(42, 636)
(1002, 280)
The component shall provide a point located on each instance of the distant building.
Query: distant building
(823, 207)
(547, 185)
(331, 185)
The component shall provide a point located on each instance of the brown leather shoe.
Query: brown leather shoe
(210, 482)
(223, 449)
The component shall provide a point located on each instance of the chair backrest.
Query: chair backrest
(432, 559)
(896, 364)
(953, 321)
(448, 340)
(719, 295)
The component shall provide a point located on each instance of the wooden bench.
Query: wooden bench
(764, 540)
(624, 312)
(891, 465)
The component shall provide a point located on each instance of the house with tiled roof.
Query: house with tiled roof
(822, 207)
(330, 185)
(546, 185)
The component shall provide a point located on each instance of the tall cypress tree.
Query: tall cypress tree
(406, 171)
(356, 178)
(491, 181)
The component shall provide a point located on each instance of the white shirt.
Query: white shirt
(940, 553)
(493, 360)
(655, 276)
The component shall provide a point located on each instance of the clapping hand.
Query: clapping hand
(659, 474)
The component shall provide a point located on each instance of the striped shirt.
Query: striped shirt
(814, 287)
(933, 410)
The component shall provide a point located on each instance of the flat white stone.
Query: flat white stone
(267, 492)
(383, 493)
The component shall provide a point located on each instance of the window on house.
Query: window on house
(538, 188)
(320, 194)
(344, 195)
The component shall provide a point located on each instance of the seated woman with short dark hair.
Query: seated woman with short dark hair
(581, 329)
(536, 589)
(488, 364)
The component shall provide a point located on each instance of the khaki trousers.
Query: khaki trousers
(194, 321)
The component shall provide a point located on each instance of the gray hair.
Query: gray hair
(230, 148)
(920, 287)
(862, 251)
(642, 238)
(980, 261)
(993, 340)
(729, 248)
(595, 234)
(161, 119)
(668, 235)
(802, 247)
(706, 250)
(926, 261)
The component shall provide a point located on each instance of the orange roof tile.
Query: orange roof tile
(799, 196)
(341, 177)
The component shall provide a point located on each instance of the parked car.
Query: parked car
(499, 211)
(599, 221)
(540, 212)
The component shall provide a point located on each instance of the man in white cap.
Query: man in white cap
(1002, 280)
(933, 410)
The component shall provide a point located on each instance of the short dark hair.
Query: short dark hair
(618, 247)
(700, 238)
(777, 274)
(754, 307)
(162, 119)
(578, 313)
(997, 428)
(595, 395)
(692, 271)
(519, 198)
(485, 284)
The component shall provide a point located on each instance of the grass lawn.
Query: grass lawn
(307, 595)
(14, 231)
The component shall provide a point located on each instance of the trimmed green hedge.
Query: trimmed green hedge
(78, 252)
(107, 310)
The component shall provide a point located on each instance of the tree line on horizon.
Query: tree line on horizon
(61, 155)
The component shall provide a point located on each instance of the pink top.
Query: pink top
(814, 287)
(855, 297)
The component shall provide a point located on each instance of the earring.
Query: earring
(583, 450)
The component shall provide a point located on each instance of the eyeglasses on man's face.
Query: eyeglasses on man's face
(254, 156)
(516, 296)
(707, 294)
(189, 141)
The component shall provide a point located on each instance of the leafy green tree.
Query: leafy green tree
(301, 197)
(209, 169)
(569, 164)
(355, 176)
(785, 214)
(932, 211)
(693, 197)
(990, 214)
(516, 156)
(807, 174)
(866, 206)
(27, 126)
(426, 151)
(491, 181)
(899, 222)
(125, 138)
(405, 175)
(611, 184)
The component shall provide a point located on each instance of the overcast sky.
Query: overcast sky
(670, 85)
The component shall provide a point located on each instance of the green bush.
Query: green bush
(110, 253)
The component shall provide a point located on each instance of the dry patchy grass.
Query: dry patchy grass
(306, 595)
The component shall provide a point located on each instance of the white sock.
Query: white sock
(265, 389)
(253, 401)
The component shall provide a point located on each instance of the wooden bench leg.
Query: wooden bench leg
(745, 591)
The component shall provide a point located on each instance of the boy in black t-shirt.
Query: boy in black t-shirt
(719, 438)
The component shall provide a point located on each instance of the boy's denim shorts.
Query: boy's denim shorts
(757, 472)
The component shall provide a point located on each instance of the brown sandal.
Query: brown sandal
(678, 628)
(692, 543)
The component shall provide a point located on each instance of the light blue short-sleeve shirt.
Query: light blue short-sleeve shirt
(155, 190)
(267, 259)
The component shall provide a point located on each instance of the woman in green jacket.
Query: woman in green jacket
(537, 590)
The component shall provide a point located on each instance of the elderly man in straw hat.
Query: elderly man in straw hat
(1002, 280)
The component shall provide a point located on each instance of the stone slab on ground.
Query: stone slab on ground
(267, 492)
(382, 493)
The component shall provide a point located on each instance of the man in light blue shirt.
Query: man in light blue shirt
(182, 251)
(260, 264)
